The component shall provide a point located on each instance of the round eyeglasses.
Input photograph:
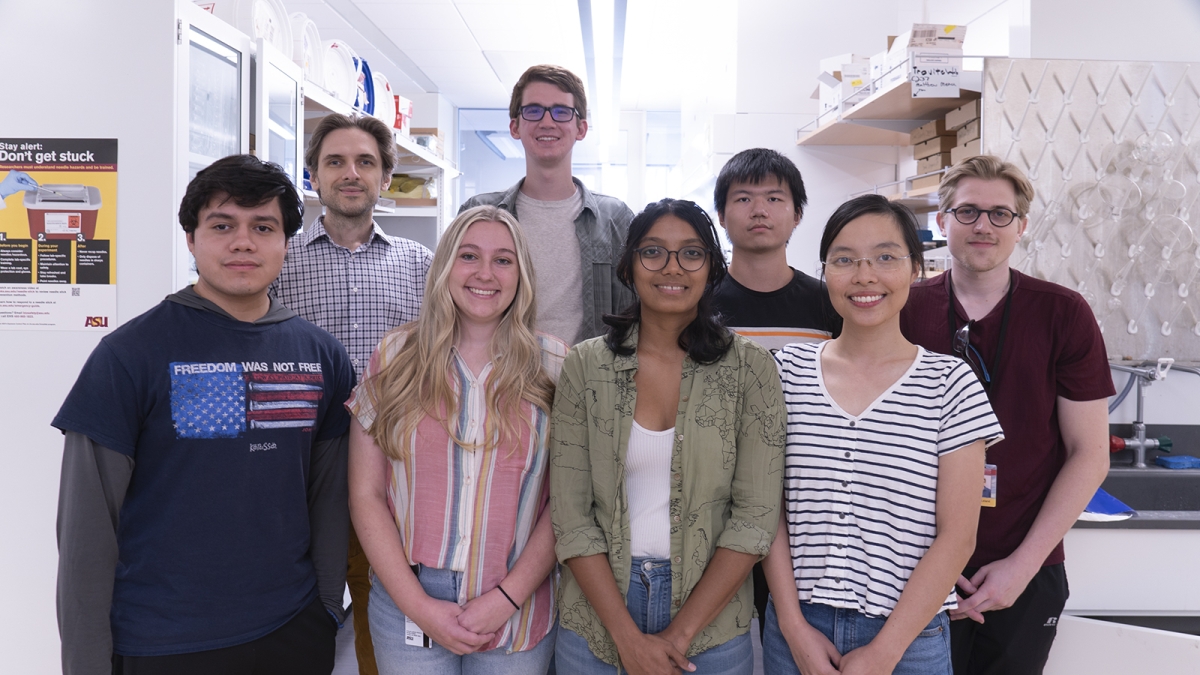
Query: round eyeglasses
(999, 216)
(558, 113)
(655, 258)
(884, 262)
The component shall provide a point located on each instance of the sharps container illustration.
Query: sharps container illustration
(63, 211)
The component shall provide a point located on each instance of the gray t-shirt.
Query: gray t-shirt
(549, 228)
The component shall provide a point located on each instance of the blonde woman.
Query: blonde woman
(447, 465)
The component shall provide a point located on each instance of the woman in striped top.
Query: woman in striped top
(448, 488)
(883, 470)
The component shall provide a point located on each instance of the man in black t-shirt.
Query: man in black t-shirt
(203, 513)
(760, 199)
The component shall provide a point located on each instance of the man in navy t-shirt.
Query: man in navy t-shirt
(203, 510)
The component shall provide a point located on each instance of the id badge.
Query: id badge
(989, 485)
(414, 636)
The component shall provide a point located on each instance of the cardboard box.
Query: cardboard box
(428, 138)
(933, 163)
(967, 151)
(927, 182)
(962, 115)
(856, 82)
(968, 132)
(878, 65)
(924, 38)
(933, 146)
(404, 112)
(834, 89)
(927, 131)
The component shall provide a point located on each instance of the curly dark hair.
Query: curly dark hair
(705, 339)
(248, 181)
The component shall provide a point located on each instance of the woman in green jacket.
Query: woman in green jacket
(665, 467)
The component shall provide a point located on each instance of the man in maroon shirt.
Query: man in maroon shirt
(1037, 349)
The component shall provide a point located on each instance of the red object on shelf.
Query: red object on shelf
(1116, 444)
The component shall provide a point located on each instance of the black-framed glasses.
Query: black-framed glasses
(999, 216)
(655, 258)
(884, 262)
(558, 113)
(963, 347)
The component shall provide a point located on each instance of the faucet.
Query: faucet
(1144, 377)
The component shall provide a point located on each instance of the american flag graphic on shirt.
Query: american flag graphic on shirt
(222, 400)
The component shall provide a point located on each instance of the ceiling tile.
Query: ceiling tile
(414, 17)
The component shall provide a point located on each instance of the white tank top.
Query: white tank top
(648, 486)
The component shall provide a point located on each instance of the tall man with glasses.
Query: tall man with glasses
(1037, 349)
(575, 235)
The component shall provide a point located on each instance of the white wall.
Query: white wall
(1117, 30)
(779, 45)
(91, 70)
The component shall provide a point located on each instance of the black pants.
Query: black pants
(303, 646)
(1013, 641)
(761, 592)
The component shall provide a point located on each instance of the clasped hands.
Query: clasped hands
(464, 629)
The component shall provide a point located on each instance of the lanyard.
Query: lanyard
(953, 321)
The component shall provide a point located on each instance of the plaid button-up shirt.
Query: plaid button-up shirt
(359, 295)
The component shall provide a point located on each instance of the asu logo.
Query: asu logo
(96, 322)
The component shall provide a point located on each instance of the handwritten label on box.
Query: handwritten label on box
(935, 75)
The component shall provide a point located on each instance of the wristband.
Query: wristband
(507, 596)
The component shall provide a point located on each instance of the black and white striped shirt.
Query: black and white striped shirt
(861, 492)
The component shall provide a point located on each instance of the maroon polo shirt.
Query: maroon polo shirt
(1053, 348)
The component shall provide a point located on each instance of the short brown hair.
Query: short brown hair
(555, 75)
(334, 121)
(986, 167)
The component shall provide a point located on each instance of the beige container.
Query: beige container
(962, 115)
(933, 146)
(927, 131)
(933, 162)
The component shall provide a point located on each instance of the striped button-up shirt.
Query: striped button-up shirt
(861, 490)
(473, 511)
(357, 295)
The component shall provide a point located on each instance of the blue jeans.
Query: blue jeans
(649, 603)
(397, 658)
(929, 653)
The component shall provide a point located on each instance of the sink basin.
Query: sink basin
(1155, 489)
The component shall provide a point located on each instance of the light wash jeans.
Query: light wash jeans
(929, 653)
(397, 658)
(649, 603)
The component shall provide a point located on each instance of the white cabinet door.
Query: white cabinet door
(212, 104)
(278, 110)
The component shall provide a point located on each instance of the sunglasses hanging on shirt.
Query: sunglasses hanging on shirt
(960, 338)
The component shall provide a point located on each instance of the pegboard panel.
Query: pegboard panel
(1113, 151)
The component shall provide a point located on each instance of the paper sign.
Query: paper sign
(935, 75)
(58, 234)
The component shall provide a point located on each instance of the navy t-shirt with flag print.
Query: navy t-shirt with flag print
(219, 417)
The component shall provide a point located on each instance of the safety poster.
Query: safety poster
(58, 234)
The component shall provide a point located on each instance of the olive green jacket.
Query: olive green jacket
(726, 475)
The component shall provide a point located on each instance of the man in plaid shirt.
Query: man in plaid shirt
(346, 276)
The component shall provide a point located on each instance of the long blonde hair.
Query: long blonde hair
(415, 382)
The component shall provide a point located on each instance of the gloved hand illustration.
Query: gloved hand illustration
(16, 181)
